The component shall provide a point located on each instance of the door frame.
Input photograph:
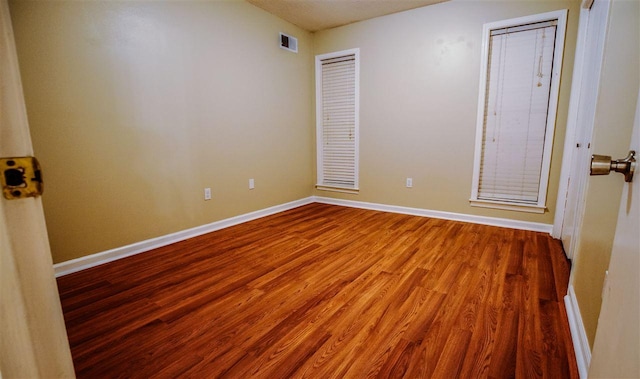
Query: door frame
(570, 155)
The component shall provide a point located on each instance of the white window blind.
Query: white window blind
(337, 109)
(512, 166)
(517, 99)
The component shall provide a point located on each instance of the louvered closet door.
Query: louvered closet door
(516, 105)
(339, 122)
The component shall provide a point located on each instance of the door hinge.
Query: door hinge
(20, 177)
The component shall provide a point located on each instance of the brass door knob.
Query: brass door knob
(602, 165)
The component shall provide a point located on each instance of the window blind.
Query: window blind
(515, 114)
(339, 134)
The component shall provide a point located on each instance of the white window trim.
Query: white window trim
(319, 125)
(540, 207)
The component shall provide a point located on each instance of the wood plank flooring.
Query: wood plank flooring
(323, 291)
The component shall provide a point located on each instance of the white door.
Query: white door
(616, 349)
(589, 55)
(33, 341)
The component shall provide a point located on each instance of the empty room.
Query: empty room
(320, 189)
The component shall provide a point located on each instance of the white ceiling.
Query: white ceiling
(314, 15)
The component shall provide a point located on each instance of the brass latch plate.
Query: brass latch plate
(20, 177)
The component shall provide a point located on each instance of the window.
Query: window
(337, 109)
(519, 83)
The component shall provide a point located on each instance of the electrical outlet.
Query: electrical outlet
(207, 193)
(252, 184)
(409, 182)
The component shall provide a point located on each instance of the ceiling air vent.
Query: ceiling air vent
(288, 43)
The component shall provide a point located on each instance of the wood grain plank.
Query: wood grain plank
(323, 291)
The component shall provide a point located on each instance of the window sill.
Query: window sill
(337, 189)
(508, 206)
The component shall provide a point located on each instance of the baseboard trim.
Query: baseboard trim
(578, 334)
(492, 221)
(82, 263)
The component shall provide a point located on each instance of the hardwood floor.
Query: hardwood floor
(323, 291)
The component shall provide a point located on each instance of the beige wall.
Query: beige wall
(615, 111)
(418, 102)
(136, 107)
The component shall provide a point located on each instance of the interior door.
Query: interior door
(34, 341)
(616, 349)
(579, 147)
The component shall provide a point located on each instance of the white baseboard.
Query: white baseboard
(492, 221)
(82, 263)
(89, 261)
(578, 334)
